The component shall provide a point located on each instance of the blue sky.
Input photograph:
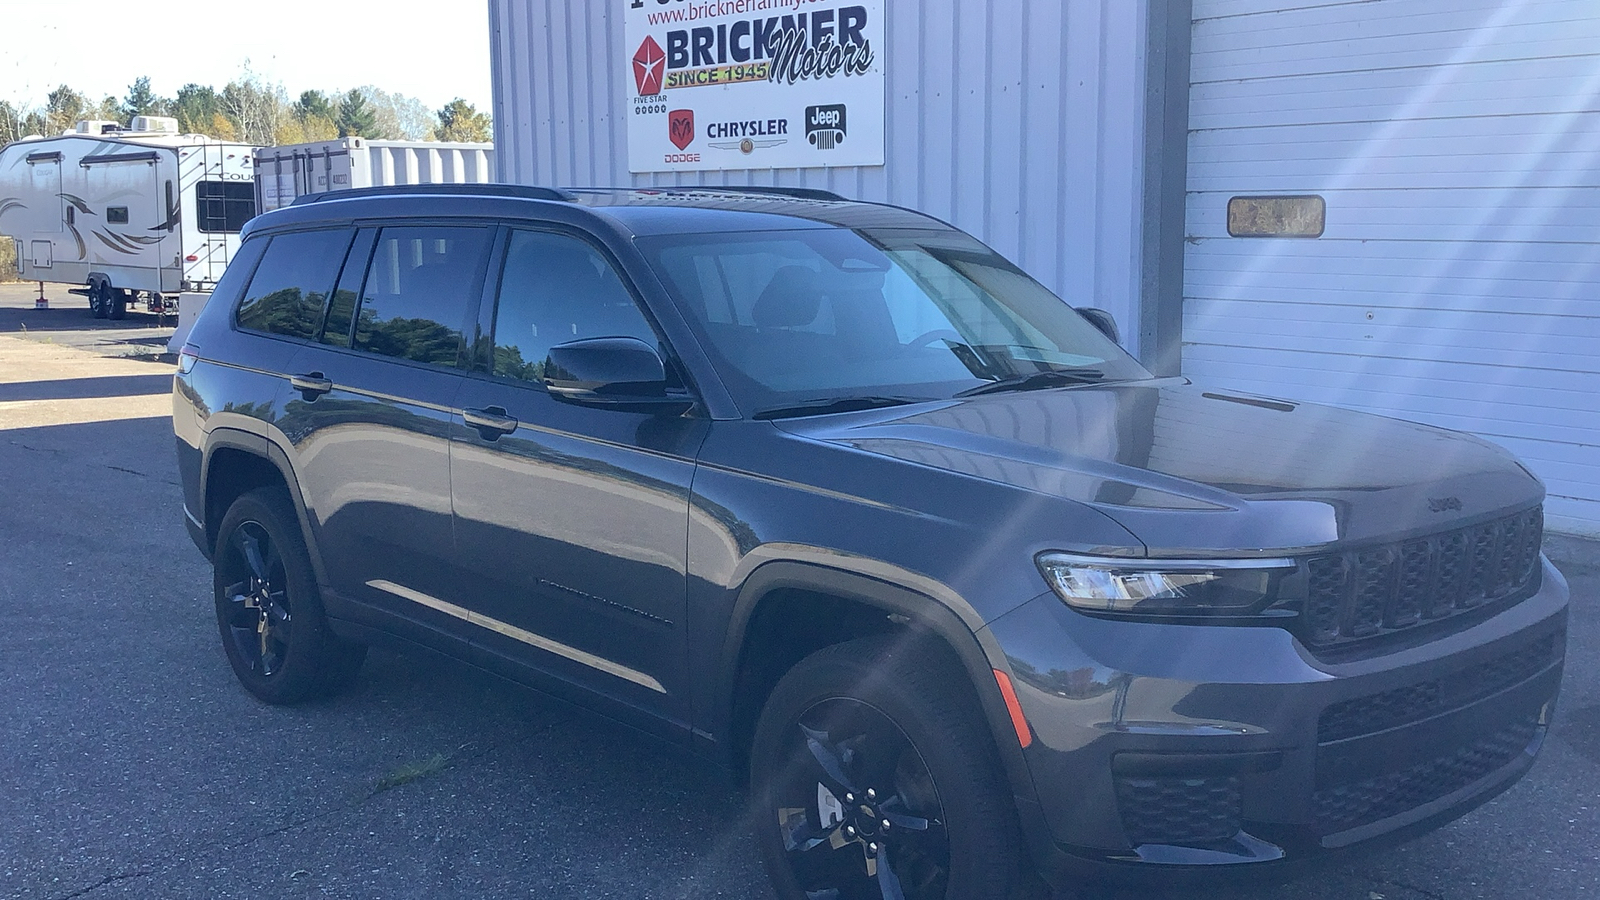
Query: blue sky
(433, 52)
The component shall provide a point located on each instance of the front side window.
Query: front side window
(222, 207)
(804, 315)
(287, 292)
(557, 289)
(418, 291)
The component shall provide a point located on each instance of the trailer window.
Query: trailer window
(222, 207)
(116, 215)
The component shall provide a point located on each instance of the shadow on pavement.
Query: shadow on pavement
(87, 388)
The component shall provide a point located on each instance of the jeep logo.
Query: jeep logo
(825, 125)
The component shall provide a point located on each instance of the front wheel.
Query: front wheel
(99, 296)
(269, 611)
(873, 776)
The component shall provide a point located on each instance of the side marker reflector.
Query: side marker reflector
(1024, 733)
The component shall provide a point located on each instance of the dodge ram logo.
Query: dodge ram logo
(680, 127)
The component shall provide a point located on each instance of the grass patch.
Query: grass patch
(8, 259)
(412, 771)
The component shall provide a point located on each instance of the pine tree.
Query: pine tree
(356, 116)
(141, 101)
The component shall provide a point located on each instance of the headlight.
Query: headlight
(1165, 587)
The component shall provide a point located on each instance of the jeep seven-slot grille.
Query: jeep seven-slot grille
(1392, 587)
(1348, 806)
(1415, 702)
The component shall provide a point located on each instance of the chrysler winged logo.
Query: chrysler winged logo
(649, 64)
(680, 127)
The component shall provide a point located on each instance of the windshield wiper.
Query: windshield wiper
(825, 405)
(1033, 381)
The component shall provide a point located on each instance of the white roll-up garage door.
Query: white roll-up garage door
(1456, 145)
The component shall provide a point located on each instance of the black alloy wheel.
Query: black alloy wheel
(259, 620)
(269, 612)
(875, 779)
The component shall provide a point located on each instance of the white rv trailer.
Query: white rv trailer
(141, 213)
(294, 170)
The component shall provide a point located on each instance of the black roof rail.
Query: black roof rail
(798, 193)
(514, 191)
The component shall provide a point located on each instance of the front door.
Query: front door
(571, 521)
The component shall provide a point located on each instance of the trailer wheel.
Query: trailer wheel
(116, 304)
(98, 291)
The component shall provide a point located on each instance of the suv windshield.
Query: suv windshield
(805, 316)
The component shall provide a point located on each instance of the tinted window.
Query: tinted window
(418, 289)
(116, 215)
(342, 306)
(834, 312)
(286, 295)
(224, 206)
(556, 289)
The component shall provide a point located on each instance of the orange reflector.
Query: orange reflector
(1024, 733)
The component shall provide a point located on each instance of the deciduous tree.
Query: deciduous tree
(461, 121)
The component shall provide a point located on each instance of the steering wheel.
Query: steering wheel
(924, 340)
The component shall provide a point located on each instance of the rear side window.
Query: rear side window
(418, 291)
(222, 207)
(290, 286)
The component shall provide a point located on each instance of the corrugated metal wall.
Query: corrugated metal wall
(1457, 143)
(1020, 121)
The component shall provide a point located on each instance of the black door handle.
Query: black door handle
(491, 422)
(311, 385)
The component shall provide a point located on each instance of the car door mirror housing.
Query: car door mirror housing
(612, 372)
(1103, 321)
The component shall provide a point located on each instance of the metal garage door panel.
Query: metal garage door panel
(1457, 146)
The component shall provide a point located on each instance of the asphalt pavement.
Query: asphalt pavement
(133, 765)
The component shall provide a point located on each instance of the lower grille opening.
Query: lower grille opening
(1364, 802)
(1176, 810)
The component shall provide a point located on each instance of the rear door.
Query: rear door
(372, 417)
(571, 527)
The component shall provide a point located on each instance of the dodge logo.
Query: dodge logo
(649, 63)
(680, 127)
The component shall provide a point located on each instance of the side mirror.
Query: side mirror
(1103, 321)
(611, 372)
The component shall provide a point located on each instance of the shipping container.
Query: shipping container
(287, 172)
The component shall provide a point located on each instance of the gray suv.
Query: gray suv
(833, 493)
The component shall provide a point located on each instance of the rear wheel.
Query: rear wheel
(269, 612)
(116, 303)
(874, 777)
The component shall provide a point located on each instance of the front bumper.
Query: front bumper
(1179, 748)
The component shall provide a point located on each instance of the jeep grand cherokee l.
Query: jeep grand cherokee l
(834, 493)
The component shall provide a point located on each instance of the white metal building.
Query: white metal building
(1445, 153)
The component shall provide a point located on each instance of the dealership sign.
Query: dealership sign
(754, 84)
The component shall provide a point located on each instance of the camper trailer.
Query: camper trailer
(126, 215)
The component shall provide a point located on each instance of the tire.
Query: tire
(879, 730)
(97, 303)
(269, 612)
(116, 305)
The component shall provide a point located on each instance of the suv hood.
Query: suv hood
(1195, 472)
